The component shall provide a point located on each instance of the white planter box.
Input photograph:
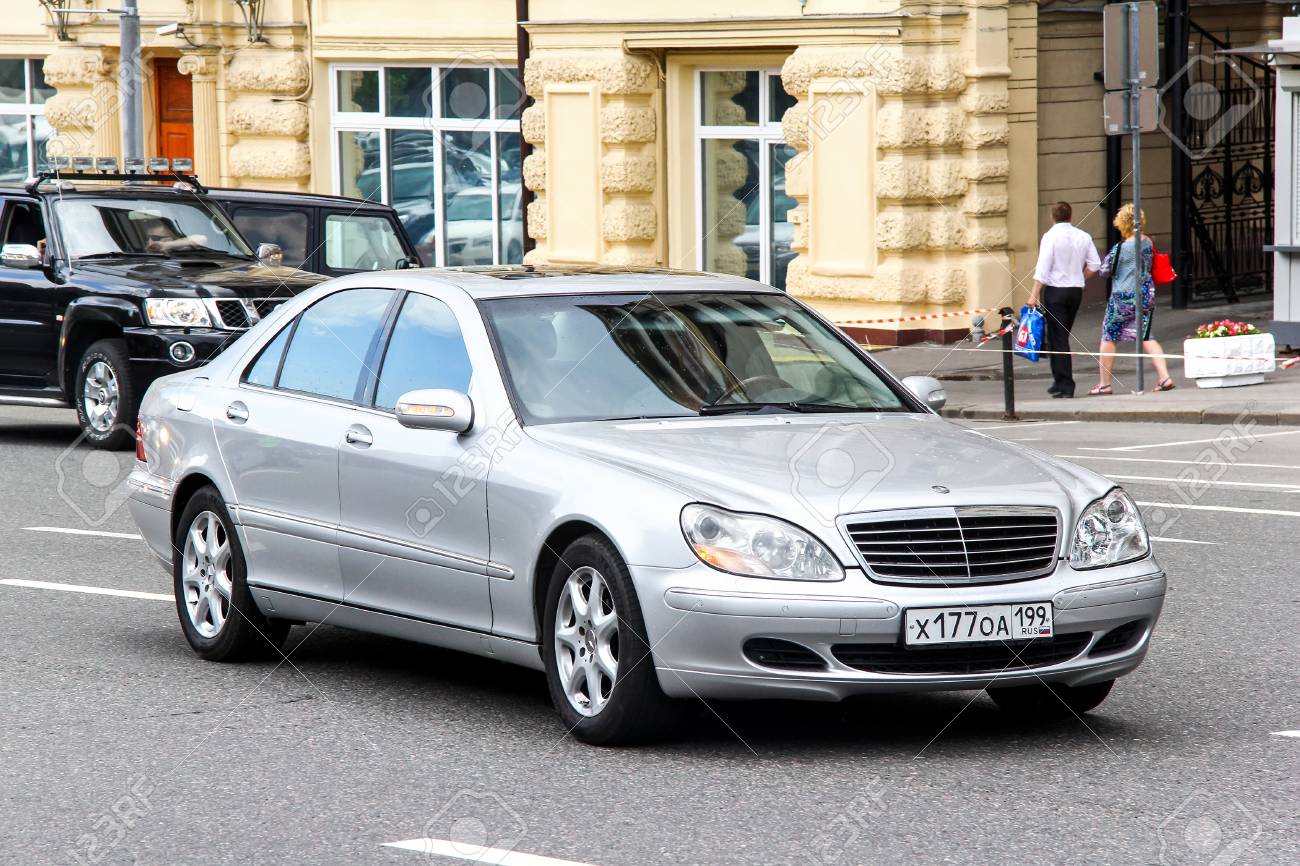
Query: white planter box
(1223, 362)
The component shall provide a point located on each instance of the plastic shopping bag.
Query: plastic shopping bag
(1029, 336)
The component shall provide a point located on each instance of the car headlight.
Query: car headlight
(1110, 531)
(179, 312)
(756, 546)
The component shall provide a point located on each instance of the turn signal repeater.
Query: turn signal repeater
(429, 409)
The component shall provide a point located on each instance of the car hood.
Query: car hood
(812, 469)
(189, 278)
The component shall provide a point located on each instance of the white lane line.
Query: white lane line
(1251, 436)
(1295, 734)
(1292, 488)
(1164, 540)
(479, 854)
(1024, 424)
(1022, 440)
(1224, 508)
(68, 531)
(1207, 464)
(89, 590)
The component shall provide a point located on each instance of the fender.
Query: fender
(98, 311)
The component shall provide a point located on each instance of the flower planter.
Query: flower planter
(1226, 362)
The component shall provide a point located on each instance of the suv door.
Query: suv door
(29, 303)
(414, 535)
(291, 228)
(280, 432)
(354, 242)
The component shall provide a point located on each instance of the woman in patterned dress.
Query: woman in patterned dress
(1120, 323)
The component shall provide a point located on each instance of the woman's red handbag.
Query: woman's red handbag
(1162, 270)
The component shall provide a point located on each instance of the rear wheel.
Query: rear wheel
(216, 609)
(1042, 699)
(598, 662)
(105, 396)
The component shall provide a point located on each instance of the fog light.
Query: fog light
(182, 353)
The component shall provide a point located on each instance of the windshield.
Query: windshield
(121, 226)
(589, 357)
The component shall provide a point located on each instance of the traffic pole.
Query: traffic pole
(1135, 131)
(1008, 371)
(128, 81)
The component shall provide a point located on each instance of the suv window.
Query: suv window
(328, 350)
(266, 225)
(426, 351)
(23, 223)
(361, 243)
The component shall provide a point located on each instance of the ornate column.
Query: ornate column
(202, 70)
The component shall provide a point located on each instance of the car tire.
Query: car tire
(628, 707)
(1043, 700)
(209, 577)
(104, 380)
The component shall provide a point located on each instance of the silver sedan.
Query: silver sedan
(649, 485)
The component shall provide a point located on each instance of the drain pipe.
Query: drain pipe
(525, 149)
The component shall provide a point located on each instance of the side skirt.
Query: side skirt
(289, 605)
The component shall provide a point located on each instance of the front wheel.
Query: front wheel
(105, 396)
(598, 662)
(217, 612)
(1042, 699)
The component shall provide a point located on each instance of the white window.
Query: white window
(742, 209)
(441, 145)
(23, 129)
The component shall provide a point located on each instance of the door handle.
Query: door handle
(358, 436)
(237, 412)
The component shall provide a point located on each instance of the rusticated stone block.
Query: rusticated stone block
(629, 221)
(894, 283)
(616, 73)
(904, 126)
(987, 131)
(905, 179)
(532, 124)
(627, 173)
(985, 169)
(537, 218)
(632, 256)
(919, 230)
(985, 102)
(794, 125)
(622, 124)
(264, 117)
(282, 160)
(70, 67)
(73, 109)
(535, 170)
(267, 70)
(984, 204)
(892, 72)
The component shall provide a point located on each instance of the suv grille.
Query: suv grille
(962, 658)
(264, 306)
(957, 545)
(233, 314)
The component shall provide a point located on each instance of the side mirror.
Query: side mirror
(435, 409)
(24, 256)
(929, 389)
(270, 254)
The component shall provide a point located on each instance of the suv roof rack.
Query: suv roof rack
(34, 183)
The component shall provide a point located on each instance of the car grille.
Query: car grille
(957, 545)
(962, 659)
(233, 314)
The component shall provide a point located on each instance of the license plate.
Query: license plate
(992, 622)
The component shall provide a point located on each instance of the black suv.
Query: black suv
(106, 286)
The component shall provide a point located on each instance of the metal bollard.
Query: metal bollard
(1008, 371)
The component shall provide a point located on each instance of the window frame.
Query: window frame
(767, 134)
(28, 109)
(372, 388)
(379, 122)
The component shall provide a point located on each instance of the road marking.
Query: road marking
(89, 590)
(1163, 540)
(1225, 508)
(1251, 436)
(1025, 424)
(1287, 734)
(1022, 440)
(1178, 462)
(1293, 488)
(67, 531)
(478, 853)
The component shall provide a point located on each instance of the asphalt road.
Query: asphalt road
(117, 745)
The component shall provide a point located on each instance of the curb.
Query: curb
(1166, 416)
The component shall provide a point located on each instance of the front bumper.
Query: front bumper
(150, 348)
(698, 621)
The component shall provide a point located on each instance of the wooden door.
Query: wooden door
(175, 110)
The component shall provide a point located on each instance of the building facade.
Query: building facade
(883, 159)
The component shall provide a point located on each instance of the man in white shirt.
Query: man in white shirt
(1066, 257)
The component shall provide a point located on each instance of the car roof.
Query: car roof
(298, 198)
(528, 280)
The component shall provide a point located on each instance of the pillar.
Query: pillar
(202, 70)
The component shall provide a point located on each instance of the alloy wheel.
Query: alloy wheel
(205, 574)
(99, 395)
(586, 641)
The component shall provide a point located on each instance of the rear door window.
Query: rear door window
(361, 242)
(332, 345)
(291, 229)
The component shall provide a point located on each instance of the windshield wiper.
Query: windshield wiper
(120, 254)
(787, 405)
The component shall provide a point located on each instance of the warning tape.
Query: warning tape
(922, 318)
(1282, 363)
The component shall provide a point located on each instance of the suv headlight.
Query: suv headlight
(756, 546)
(178, 312)
(1110, 531)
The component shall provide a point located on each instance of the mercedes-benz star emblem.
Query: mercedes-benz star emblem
(939, 488)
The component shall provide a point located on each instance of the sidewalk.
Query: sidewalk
(973, 379)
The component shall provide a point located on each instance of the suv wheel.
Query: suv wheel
(105, 396)
(598, 663)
